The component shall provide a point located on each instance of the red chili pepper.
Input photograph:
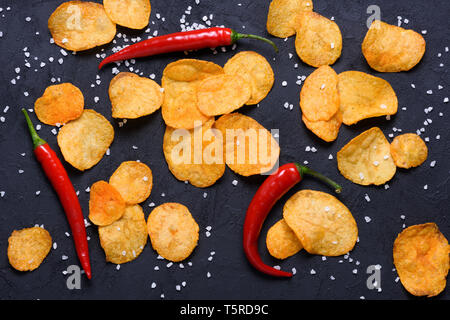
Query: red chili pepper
(60, 181)
(182, 41)
(272, 189)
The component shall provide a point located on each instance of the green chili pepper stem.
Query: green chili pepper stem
(305, 170)
(235, 36)
(37, 141)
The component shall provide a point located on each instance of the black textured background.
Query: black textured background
(225, 204)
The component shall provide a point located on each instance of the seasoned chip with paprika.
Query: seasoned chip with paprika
(283, 15)
(325, 130)
(408, 150)
(281, 241)
(133, 14)
(106, 205)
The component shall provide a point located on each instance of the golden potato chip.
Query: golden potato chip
(365, 96)
(173, 231)
(133, 14)
(124, 239)
(325, 130)
(408, 150)
(133, 96)
(319, 97)
(27, 248)
(84, 141)
(322, 223)
(389, 48)
(318, 41)
(59, 104)
(421, 258)
(105, 204)
(281, 241)
(367, 159)
(248, 147)
(181, 155)
(81, 25)
(283, 15)
(255, 69)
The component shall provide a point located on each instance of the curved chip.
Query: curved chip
(133, 96)
(173, 231)
(421, 258)
(106, 205)
(81, 25)
(27, 248)
(389, 48)
(366, 159)
(133, 14)
(133, 180)
(325, 130)
(365, 96)
(281, 241)
(84, 141)
(283, 15)
(124, 239)
(408, 150)
(59, 104)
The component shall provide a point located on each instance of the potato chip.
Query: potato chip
(81, 25)
(325, 130)
(173, 231)
(201, 173)
(133, 180)
(133, 96)
(389, 48)
(59, 104)
(421, 258)
(255, 69)
(27, 248)
(408, 150)
(124, 239)
(322, 223)
(319, 97)
(283, 15)
(318, 41)
(367, 159)
(84, 141)
(281, 241)
(133, 14)
(248, 147)
(105, 204)
(365, 96)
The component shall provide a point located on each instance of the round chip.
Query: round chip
(81, 25)
(318, 41)
(322, 223)
(105, 204)
(325, 130)
(173, 231)
(59, 104)
(364, 96)
(367, 159)
(408, 150)
(84, 141)
(133, 96)
(255, 69)
(283, 15)
(421, 258)
(133, 14)
(281, 241)
(27, 248)
(124, 239)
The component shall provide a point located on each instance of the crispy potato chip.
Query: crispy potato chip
(133, 96)
(133, 14)
(255, 69)
(318, 41)
(365, 96)
(84, 141)
(389, 48)
(408, 150)
(105, 204)
(319, 97)
(133, 180)
(81, 25)
(421, 258)
(325, 130)
(27, 248)
(367, 159)
(283, 15)
(59, 104)
(281, 241)
(173, 231)
(248, 147)
(124, 239)
(323, 224)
